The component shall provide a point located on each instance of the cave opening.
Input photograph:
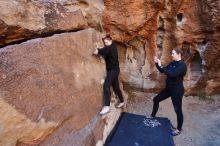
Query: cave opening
(203, 45)
(179, 17)
(204, 42)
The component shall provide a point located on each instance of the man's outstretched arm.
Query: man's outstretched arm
(101, 51)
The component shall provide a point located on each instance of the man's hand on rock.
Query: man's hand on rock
(95, 52)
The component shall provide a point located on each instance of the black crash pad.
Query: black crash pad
(137, 130)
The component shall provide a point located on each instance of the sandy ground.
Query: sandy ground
(201, 125)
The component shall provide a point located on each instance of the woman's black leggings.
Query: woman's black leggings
(176, 94)
(112, 80)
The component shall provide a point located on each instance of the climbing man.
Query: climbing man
(175, 73)
(110, 54)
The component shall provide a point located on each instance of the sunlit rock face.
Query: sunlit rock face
(21, 20)
(51, 83)
(148, 28)
(55, 83)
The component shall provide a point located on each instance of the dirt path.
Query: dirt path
(201, 117)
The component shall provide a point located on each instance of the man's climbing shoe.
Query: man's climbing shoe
(120, 105)
(105, 110)
(176, 132)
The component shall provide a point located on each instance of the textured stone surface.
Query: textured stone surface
(56, 79)
(92, 10)
(199, 35)
(22, 20)
(147, 28)
(15, 125)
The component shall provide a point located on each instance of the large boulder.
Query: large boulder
(22, 20)
(51, 86)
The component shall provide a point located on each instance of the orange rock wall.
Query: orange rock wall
(147, 28)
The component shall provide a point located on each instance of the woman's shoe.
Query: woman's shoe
(120, 105)
(176, 132)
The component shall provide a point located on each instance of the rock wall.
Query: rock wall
(51, 84)
(54, 79)
(21, 20)
(145, 28)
